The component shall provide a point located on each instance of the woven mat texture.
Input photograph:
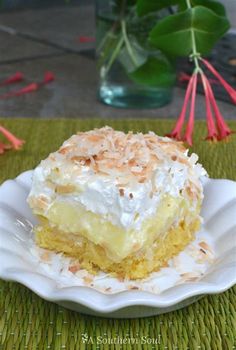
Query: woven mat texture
(28, 322)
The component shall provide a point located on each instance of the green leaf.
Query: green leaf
(213, 5)
(146, 6)
(155, 73)
(173, 34)
(140, 27)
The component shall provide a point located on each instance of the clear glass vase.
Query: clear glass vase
(131, 73)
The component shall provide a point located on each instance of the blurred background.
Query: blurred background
(58, 36)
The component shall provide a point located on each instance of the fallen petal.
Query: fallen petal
(4, 147)
(25, 90)
(17, 77)
(16, 143)
(48, 77)
(86, 39)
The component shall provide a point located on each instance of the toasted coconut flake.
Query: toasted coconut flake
(202, 255)
(133, 287)
(77, 159)
(189, 277)
(66, 149)
(40, 202)
(46, 256)
(122, 192)
(74, 268)
(136, 246)
(94, 138)
(142, 179)
(205, 246)
(120, 278)
(113, 153)
(165, 264)
(88, 279)
(64, 189)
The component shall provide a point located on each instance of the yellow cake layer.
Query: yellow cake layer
(93, 257)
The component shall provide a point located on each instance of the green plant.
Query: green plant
(187, 28)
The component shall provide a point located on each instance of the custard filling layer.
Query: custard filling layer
(117, 242)
(93, 257)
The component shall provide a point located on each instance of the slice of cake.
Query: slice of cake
(120, 203)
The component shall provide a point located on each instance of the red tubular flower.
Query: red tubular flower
(223, 129)
(212, 132)
(16, 78)
(25, 90)
(176, 132)
(15, 142)
(184, 77)
(4, 147)
(48, 78)
(231, 91)
(29, 88)
(190, 126)
(86, 39)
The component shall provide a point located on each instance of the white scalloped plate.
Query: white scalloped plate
(184, 281)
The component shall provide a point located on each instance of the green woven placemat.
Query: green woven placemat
(28, 322)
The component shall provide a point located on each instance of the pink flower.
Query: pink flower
(4, 147)
(86, 39)
(15, 142)
(190, 126)
(176, 132)
(183, 77)
(212, 132)
(16, 78)
(217, 129)
(223, 129)
(48, 78)
(231, 91)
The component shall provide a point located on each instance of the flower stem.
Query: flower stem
(113, 56)
(195, 55)
(124, 39)
(127, 43)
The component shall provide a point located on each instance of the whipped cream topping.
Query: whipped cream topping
(123, 186)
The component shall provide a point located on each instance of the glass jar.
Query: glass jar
(131, 73)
